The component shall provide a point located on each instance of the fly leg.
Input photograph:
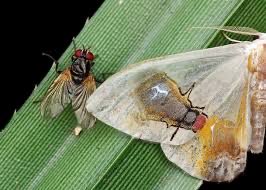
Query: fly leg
(56, 69)
(103, 77)
(55, 61)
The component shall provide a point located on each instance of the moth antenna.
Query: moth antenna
(83, 46)
(230, 39)
(234, 29)
(74, 43)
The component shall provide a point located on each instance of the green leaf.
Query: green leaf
(44, 154)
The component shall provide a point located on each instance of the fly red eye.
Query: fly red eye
(78, 53)
(89, 56)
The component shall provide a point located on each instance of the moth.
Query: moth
(207, 108)
(73, 85)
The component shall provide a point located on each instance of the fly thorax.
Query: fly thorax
(78, 70)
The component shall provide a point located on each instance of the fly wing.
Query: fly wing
(80, 96)
(218, 74)
(58, 95)
(218, 152)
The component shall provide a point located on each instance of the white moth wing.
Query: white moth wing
(217, 72)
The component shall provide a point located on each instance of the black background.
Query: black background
(43, 27)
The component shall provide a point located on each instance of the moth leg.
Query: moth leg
(55, 61)
(173, 135)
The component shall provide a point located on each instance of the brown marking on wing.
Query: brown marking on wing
(223, 146)
(250, 66)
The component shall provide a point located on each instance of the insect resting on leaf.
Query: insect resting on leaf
(73, 85)
(145, 101)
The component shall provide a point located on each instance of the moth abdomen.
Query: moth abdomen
(258, 101)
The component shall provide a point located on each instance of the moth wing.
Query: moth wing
(80, 96)
(218, 73)
(219, 150)
(57, 96)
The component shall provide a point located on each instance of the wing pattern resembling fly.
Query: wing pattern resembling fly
(213, 124)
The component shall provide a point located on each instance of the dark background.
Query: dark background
(43, 27)
(28, 30)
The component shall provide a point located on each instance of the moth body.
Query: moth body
(258, 98)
